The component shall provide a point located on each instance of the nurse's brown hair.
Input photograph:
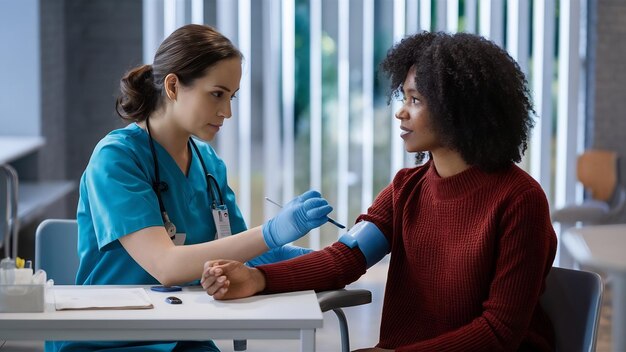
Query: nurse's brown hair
(188, 53)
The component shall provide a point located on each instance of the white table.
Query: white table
(603, 248)
(293, 315)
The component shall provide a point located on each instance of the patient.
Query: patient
(469, 232)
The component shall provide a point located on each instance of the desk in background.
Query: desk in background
(293, 315)
(34, 196)
(603, 248)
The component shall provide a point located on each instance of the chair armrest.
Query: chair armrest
(343, 298)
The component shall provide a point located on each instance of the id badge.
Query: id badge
(179, 239)
(222, 222)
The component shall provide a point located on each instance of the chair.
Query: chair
(8, 210)
(337, 299)
(597, 171)
(56, 252)
(572, 300)
(56, 244)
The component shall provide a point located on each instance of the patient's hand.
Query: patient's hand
(229, 279)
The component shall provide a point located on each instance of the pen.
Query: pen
(329, 219)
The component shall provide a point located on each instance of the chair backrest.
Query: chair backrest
(597, 170)
(573, 300)
(56, 250)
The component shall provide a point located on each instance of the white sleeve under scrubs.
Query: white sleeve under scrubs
(116, 199)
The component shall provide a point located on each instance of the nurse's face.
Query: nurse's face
(201, 108)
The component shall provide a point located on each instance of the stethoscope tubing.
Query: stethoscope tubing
(159, 186)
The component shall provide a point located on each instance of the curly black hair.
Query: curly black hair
(478, 97)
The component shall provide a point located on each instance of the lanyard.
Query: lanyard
(219, 209)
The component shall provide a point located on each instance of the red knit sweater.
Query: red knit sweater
(469, 257)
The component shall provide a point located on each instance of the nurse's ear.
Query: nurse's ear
(170, 84)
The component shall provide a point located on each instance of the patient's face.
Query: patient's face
(415, 119)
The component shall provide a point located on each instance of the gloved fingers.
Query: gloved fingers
(292, 247)
(314, 203)
(301, 214)
(288, 252)
(303, 197)
(314, 223)
(295, 249)
(319, 212)
(308, 195)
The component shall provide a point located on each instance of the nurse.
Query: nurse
(154, 197)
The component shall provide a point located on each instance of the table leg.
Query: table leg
(307, 339)
(619, 312)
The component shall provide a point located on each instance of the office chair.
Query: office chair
(8, 210)
(56, 252)
(572, 300)
(597, 171)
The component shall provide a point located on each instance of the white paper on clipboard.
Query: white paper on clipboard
(101, 298)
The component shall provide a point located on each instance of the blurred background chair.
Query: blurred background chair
(56, 244)
(598, 172)
(8, 210)
(572, 300)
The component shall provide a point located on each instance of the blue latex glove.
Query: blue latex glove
(301, 215)
(278, 255)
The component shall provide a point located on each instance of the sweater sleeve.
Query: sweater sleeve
(526, 246)
(334, 266)
(381, 212)
(330, 268)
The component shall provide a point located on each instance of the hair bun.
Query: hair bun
(138, 95)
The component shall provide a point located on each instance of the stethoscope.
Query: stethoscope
(160, 186)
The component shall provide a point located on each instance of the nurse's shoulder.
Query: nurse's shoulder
(121, 151)
(128, 141)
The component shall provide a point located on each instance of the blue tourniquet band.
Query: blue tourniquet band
(370, 240)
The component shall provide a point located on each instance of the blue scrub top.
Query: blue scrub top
(117, 198)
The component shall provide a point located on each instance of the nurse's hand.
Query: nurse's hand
(301, 215)
(229, 279)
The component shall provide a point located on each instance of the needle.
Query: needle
(329, 219)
